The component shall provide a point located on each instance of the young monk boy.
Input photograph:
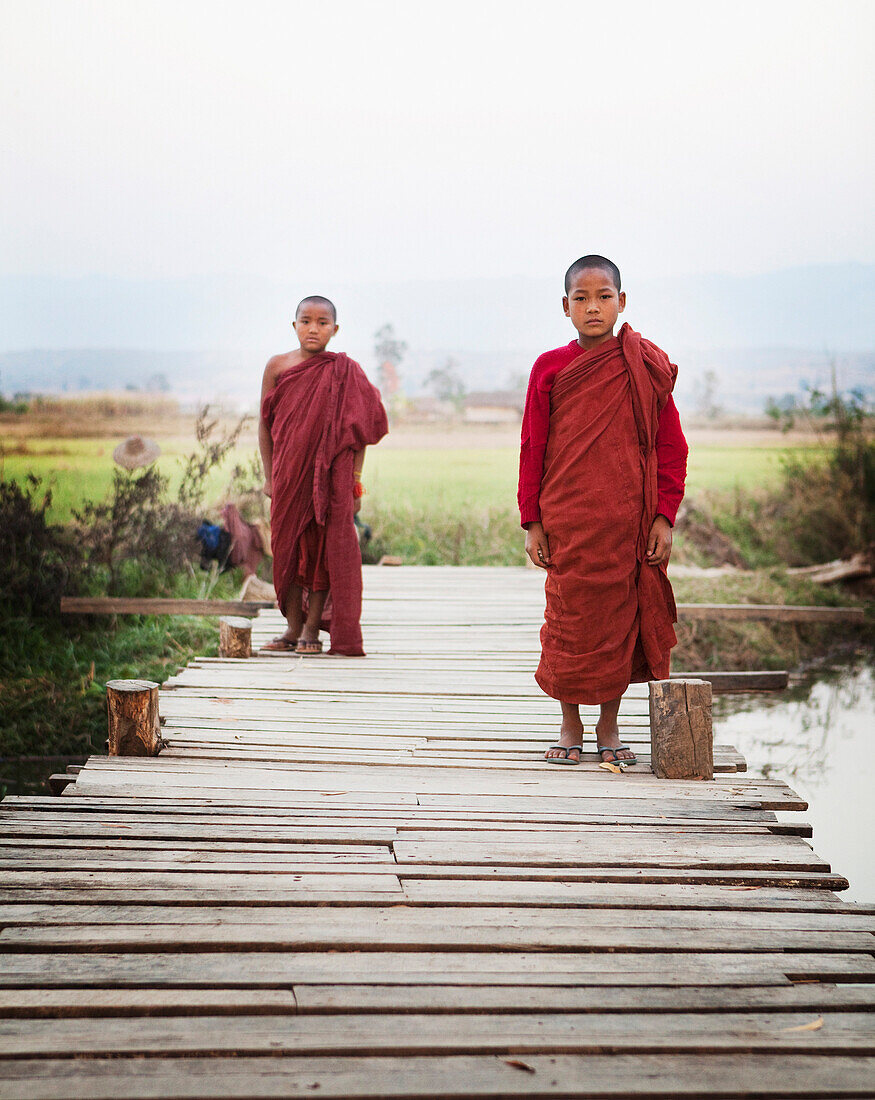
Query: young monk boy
(602, 472)
(318, 414)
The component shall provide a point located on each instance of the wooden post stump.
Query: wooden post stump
(134, 725)
(681, 734)
(235, 637)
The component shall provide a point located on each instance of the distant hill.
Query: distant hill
(763, 334)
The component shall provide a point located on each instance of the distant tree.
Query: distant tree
(783, 410)
(157, 383)
(705, 395)
(446, 383)
(389, 352)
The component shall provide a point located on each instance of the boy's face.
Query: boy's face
(314, 327)
(593, 303)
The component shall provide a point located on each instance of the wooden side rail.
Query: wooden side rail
(779, 613)
(725, 682)
(111, 605)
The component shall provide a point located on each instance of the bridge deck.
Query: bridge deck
(350, 878)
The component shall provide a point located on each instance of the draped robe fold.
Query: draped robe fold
(320, 413)
(609, 615)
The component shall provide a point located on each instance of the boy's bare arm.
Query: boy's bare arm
(265, 440)
(537, 545)
(659, 541)
(358, 462)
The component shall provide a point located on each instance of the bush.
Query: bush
(37, 560)
(137, 538)
(825, 508)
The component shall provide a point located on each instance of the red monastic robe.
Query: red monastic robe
(609, 615)
(319, 413)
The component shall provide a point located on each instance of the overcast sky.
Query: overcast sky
(377, 140)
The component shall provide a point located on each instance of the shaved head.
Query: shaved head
(318, 300)
(587, 262)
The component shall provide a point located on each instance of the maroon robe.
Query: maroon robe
(320, 413)
(609, 614)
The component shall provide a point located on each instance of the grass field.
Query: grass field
(438, 478)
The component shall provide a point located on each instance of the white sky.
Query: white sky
(378, 140)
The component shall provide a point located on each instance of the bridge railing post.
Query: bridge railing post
(134, 724)
(235, 637)
(681, 730)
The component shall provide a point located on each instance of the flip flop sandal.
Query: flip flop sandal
(307, 648)
(566, 759)
(281, 645)
(627, 760)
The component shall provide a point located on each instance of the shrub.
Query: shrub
(37, 559)
(137, 536)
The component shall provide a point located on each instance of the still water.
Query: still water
(819, 737)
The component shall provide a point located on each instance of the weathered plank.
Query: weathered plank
(333, 999)
(280, 968)
(419, 1034)
(414, 1077)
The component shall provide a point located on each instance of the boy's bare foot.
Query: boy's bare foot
(607, 736)
(570, 738)
(283, 643)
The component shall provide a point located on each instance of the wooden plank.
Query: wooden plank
(278, 969)
(841, 1033)
(372, 930)
(392, 918)
(325, 877)
(211, 890)
(331, 999)
(592, 895)
(748, 852)
(630, 1076)
(362, 830)
(499, 999)
(215, 812)
(116, 605)
(60, 1003)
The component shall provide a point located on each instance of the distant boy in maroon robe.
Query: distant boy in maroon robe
(318, 414)
(602, 471)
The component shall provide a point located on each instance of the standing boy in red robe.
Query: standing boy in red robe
(602, 472)
(318, 414)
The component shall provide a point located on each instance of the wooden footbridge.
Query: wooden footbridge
(358, 878)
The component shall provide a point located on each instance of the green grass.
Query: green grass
(440, 480)
(53, 671)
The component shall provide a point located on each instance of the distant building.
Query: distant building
(494, 407)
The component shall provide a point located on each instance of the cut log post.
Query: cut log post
(681, 734)
(235, 637)
(134, 725)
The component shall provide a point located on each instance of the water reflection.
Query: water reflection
(818, 737)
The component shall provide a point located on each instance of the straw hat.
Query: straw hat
(136, 451)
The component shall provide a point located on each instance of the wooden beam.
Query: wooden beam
(111, 605)
(725, 682)
(781, 613)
